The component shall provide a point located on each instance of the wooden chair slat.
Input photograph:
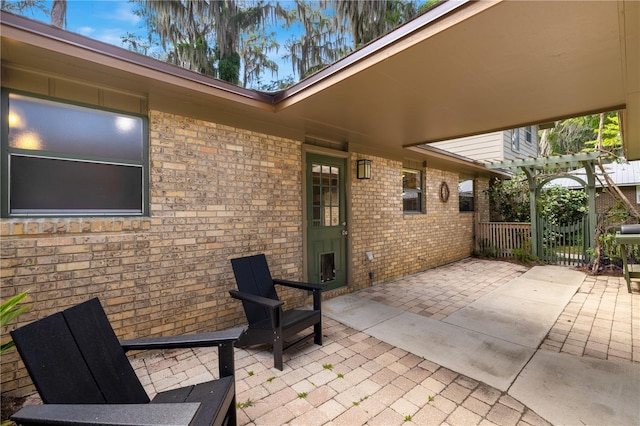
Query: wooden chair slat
(103, 354)
(55, 363)
(74, 358)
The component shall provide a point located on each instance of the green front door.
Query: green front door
(326, 219)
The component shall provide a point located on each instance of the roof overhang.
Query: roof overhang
(461, 69)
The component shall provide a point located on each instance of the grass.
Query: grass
(356, 403)
(247, 403)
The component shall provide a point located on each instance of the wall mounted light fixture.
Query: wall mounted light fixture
(363, 169)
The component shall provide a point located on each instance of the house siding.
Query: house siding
(494, 146)
(216, 192)
(525, 149)
(484, 147)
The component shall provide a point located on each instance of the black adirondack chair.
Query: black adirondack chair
(84, 377)
(268, 322)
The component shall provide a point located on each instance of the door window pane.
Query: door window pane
(326, 195)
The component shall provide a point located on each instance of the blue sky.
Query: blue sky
(104, 20)
(110, 20)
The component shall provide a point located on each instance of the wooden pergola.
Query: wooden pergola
(540, 171)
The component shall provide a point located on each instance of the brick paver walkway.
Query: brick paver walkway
(352, 379)
(601, 321)
(355, 379)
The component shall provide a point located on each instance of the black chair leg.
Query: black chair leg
(277, 351)
(317, 330)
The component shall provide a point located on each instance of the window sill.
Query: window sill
(28, 227)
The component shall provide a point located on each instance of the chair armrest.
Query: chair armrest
(300, 285)
(224, 340)
(259, 300)
(198, 340)
(315, 288)
(107, 414)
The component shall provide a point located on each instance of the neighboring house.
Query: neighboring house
(625, 175)
(495, 146)
(511, 144)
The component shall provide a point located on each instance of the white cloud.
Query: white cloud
(86, 31)
(106, 21)
(111, 35)
(124, 13)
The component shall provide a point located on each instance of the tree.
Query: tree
(21, 6)
(230, 21)
(204, 35)
(320, 44)
(182, 28)
(366, 20)
(606, 129)
(567, 136)
(580, 134)
(59, 13)
(428, 5)
(254, 49)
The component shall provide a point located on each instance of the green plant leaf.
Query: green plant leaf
(6, 346)
(9, 310)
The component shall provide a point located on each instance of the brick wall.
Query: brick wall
(604, 201)
(216, 193)
(482, 199)
(402, 243)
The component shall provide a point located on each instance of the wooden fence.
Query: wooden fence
(499, 239)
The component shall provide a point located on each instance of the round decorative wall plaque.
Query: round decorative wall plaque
(444, 192)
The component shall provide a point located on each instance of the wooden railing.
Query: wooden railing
(499, 239)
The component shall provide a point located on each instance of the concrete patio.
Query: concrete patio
(574, 358)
